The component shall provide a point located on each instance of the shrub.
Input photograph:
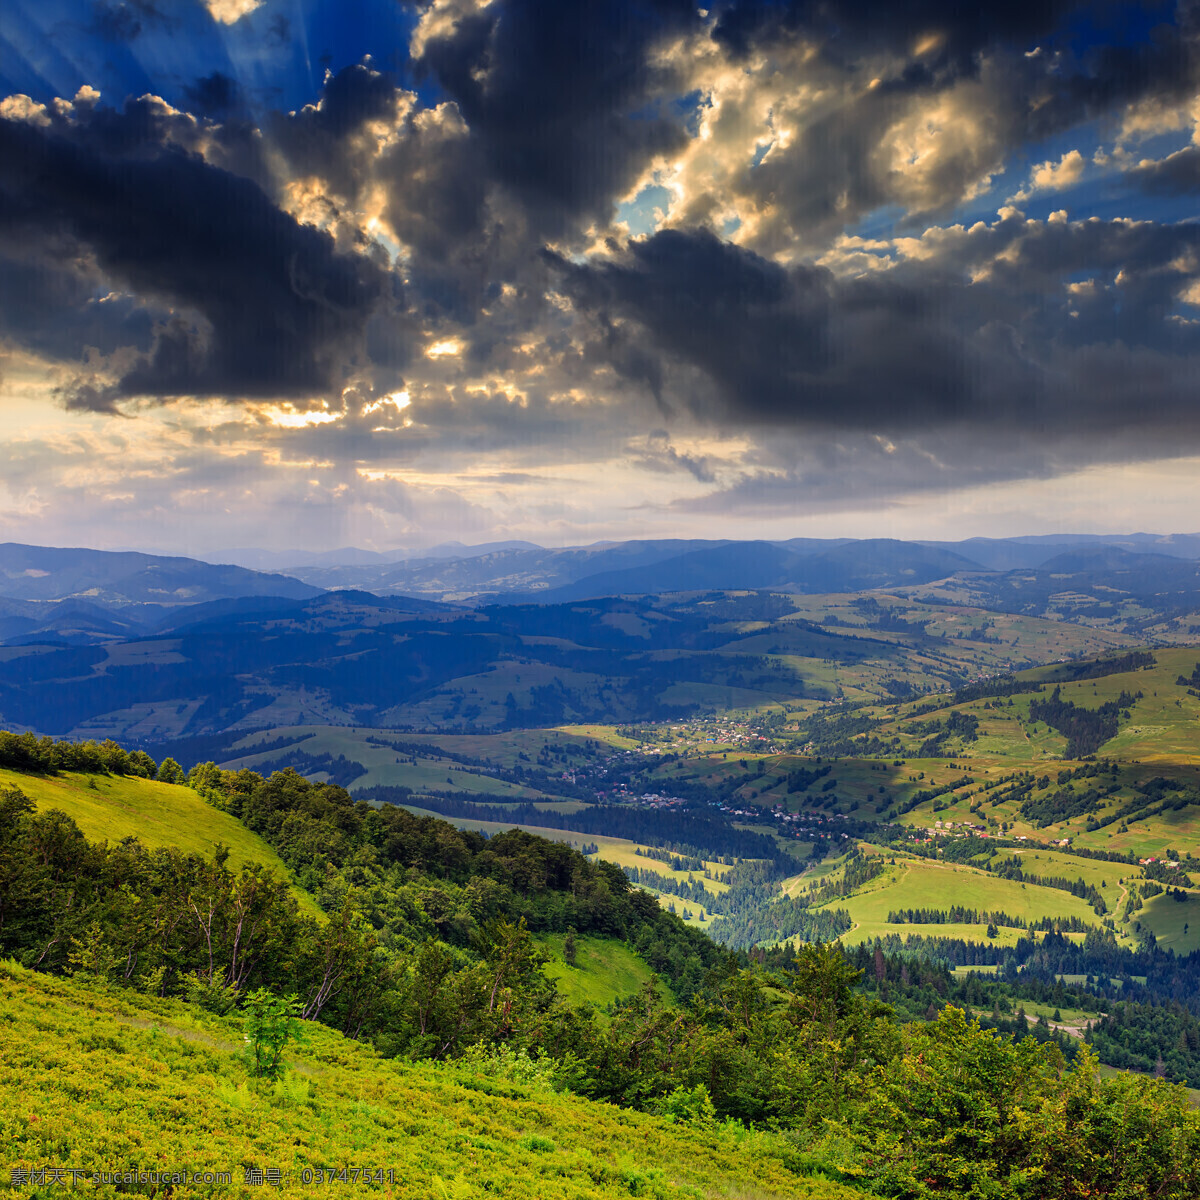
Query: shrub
(271, 1023)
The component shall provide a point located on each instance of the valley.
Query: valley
(977, 807)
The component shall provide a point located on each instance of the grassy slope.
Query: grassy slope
(158, 814)
(926, 883)
(605, 970)
(108, 1081)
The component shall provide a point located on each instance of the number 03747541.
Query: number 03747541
(361, 1175)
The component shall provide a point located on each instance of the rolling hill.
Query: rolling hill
(91, 597)
(347, 658)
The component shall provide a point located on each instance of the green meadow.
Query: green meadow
(113, 1082)
(108, 808)
(605, 970)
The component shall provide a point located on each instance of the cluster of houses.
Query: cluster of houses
(798, 824)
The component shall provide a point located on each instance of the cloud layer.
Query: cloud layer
(737, 260)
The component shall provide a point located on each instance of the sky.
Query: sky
(305, 274)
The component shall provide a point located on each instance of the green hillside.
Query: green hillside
(108, 808)
(472, 1072)
(159, 1084)
(605, 970)
(914, 883)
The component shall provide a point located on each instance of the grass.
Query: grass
(605, 970)
(926, 883)
(601, 733)
(109, 1081)
(1167, 918)
(157, 814)
(1099, 873)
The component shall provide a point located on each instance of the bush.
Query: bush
(503, 1062)
(271, 1023)
(689, 1106)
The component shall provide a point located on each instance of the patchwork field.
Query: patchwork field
(925, 884)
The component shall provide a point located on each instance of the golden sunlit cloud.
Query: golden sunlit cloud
(286, 417)
(398, 400)
(229, 11)
(448, 346)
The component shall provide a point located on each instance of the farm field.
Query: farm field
(1176, 925)
(927, 884)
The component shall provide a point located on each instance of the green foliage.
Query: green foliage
(91, 956)
(169, 771)
(238, 1097)
(294, 1088)
(183, 1099)
(689, 1106)
(216, 997)
(271, 1023)
(513, 1064)
(434, 946)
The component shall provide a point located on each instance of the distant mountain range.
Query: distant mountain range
(157, 648)
(90, 597)
(508, 571)
(350, 658)
(80, 596)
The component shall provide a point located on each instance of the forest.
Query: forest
(886, 1071)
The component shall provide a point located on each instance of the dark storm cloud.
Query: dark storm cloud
(755, 328)
(1176, 175)
(319, 139)
(853, 28)
(535, 118)
(431, 171)
(51, 302)
(564, 99)
(1102, 50)
(918, 345)
(993, 78)
(266, 307)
